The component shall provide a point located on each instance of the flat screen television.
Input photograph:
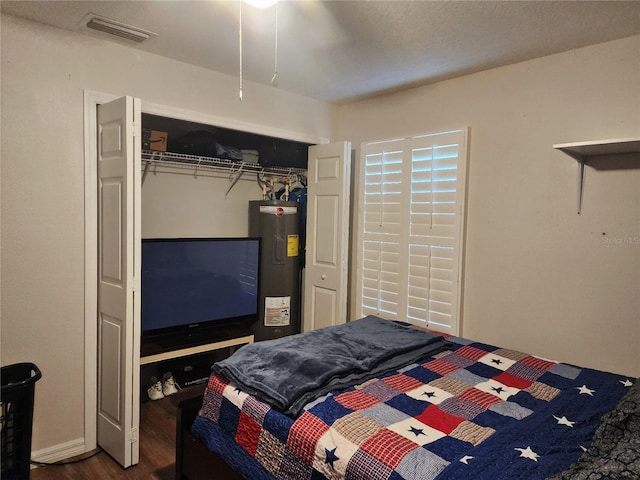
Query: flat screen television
(192, 289)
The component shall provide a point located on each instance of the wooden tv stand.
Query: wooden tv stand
(192, 350)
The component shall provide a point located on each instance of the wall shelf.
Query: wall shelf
(583, 151)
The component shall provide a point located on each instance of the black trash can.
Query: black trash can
(16, 400)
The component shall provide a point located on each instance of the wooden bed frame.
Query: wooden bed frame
(194, 461)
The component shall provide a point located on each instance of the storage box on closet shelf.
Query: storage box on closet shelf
(249, 156)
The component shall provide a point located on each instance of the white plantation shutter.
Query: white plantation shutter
(411, 228)
(381, 278)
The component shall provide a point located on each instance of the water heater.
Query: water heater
(277, 223)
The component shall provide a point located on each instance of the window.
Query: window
(411, 225)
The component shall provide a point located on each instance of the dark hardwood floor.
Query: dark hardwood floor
(157, 449)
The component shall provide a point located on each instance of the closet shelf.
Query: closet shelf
(199, 164)
(583, 151)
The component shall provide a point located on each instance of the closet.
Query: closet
(198, 181)
(116, 188)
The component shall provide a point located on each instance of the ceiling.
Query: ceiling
(343, 51)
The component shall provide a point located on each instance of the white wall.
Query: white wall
(44, 72)
(539, 277)
(178, 205)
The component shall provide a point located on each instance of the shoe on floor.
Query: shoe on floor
(155, 390)
(169, 385)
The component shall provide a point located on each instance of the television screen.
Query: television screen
(198, 282)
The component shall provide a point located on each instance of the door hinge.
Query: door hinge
(133, 436)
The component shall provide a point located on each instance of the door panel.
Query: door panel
(118, 277)
(327, 215)
(111, 333)
(326, 276)
(325, 305)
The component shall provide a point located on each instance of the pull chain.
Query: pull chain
(240, 42)
(274, 79)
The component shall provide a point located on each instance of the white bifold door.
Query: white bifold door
(119, 186)
(119, 166)
(327, 254)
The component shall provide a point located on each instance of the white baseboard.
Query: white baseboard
(59, 452)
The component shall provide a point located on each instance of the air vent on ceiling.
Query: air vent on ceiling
(113, 27)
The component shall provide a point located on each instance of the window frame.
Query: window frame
(402, 226)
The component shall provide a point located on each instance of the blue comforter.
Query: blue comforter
(289, 372)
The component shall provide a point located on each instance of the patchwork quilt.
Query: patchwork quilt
(475, 411)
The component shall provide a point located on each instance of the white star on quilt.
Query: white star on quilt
(564, 421)
(586, 390)
(466, 459)
(626, 383)
(528, 453)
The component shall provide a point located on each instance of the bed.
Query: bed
(436, 408)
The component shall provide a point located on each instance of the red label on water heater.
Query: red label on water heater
(278, 211)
